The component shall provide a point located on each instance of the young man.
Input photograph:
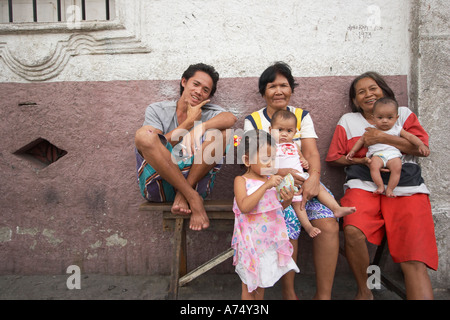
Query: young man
(172, 163)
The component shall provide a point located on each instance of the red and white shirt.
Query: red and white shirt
(351, 127)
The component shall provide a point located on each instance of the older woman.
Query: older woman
(405, 219)
(276, 85)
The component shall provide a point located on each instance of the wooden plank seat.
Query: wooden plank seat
(221, 218)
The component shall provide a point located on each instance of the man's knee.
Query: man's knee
(145, 138)
(353, 235)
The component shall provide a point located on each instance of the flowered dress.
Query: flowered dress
(262, 251)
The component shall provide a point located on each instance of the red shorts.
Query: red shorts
(407, 222)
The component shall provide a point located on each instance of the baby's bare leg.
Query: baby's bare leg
(375, 165)
(329, 201)
(304, 221)
(395, 166)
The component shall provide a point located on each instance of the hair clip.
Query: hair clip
(237, 140)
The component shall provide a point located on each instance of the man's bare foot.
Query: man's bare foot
(180, 205)
(199, 218)
(343, 211)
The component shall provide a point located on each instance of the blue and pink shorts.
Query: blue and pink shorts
(314, 209)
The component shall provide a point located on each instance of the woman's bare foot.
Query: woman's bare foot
(364, 295)
(180, 205)
(343, 211)
(289, 295)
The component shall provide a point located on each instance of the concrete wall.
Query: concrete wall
(84, 87)
(430, 96)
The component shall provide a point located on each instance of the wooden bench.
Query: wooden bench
(221, 216)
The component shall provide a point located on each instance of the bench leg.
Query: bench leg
(179, 265)
(379, 252)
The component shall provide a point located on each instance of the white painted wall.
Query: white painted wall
(315, 37)
(239, 38)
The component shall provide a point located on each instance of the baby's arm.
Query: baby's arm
(358, 145)
(303, 161)
(245, 202)
(423, 149)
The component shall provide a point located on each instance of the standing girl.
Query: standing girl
(262, 250)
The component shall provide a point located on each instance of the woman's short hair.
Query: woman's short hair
(271, 73)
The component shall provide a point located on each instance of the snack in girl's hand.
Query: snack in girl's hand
(288, 181)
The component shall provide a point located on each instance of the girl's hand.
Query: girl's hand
(298, 179)
(286, 194)
(274, 181)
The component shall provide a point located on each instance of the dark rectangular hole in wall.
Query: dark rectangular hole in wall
(41, 152)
